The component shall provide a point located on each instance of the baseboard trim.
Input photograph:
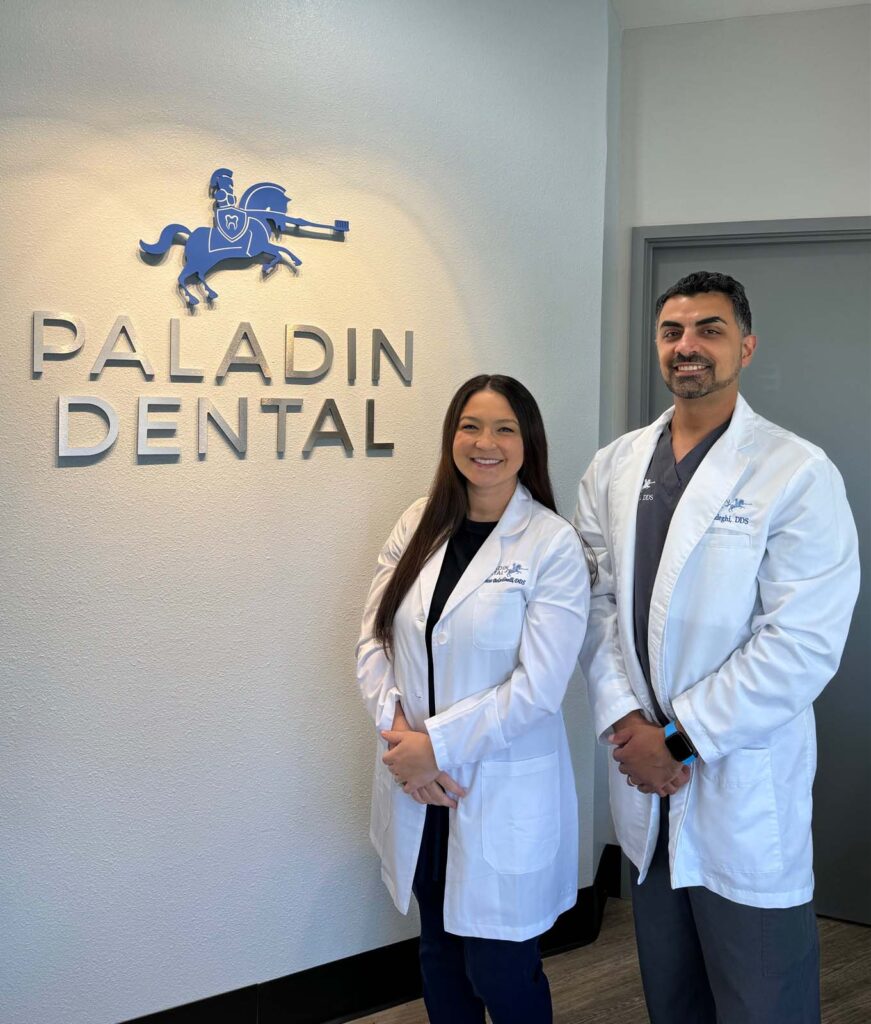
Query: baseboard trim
(377, 979)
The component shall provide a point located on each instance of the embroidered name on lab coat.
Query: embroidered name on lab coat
(509, 572)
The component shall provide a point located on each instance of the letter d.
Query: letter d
(67, 402)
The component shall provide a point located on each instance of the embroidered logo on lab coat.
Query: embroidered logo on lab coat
(734, 510)
(509, 572)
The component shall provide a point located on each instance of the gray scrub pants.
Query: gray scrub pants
(707, 960)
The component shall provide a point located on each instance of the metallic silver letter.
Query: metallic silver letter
(371, 444)
(40, 320)
(352, 355)
(316, 334)
(67, 402)
(147, 426)
(177, 372)
(231, 361)
(108, 354)
(284, 406)
(320, 436)
(206, 411)
(404, 369)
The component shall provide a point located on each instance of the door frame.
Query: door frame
(647, 242)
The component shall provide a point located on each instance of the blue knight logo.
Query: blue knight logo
(242, 230)
(735, 505)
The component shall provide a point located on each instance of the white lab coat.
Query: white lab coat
(748, 619)
(503, 651)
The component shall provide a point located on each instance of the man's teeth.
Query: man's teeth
(691, 367)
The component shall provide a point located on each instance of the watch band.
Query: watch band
(679, 745)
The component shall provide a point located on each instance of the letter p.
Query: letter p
(41, 320)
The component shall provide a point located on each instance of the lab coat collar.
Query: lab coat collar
(517, 513)
(514, 520)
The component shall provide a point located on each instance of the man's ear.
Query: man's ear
(748, 347)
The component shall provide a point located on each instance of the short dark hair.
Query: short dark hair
(701, 281)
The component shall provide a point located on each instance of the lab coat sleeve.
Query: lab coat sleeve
(611, 694)
(553, 628)
(808, 582)
(374, 669)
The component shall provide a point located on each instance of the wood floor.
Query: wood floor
(599, 983)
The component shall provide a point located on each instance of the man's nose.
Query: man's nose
(687, 344)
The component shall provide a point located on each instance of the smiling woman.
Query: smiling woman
(488, 451)
(482, 590)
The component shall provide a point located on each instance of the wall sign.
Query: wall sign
(60, 336)
(241, 230)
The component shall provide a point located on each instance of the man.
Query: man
(728, 570)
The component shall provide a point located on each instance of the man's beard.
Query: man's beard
(699, 384)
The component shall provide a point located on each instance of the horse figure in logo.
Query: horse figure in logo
(242, 230)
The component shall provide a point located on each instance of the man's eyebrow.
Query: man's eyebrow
(698, 323)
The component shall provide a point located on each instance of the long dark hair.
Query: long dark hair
(448, 502)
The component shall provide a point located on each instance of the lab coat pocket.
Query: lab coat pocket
(498, 619)
(726, 540)
(736, 817)
(521, 813)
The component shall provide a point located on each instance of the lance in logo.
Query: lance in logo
(240, 231)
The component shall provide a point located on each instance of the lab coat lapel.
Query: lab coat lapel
(626, 484)
(712, 483)
(513, 521)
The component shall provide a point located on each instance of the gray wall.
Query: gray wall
(185, 759)
(744, 119)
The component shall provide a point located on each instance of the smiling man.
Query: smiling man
(728, 571)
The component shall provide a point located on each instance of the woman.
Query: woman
(471, 630)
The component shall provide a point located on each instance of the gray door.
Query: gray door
(811, 303)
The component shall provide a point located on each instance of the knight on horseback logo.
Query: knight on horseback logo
(242, 230)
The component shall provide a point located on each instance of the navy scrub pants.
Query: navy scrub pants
(463, 975)
(707, 960)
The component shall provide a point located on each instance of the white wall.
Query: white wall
(185, 761)
(744, 119)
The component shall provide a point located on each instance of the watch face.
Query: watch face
(678, 747)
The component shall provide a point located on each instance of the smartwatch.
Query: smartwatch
(678, 745)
